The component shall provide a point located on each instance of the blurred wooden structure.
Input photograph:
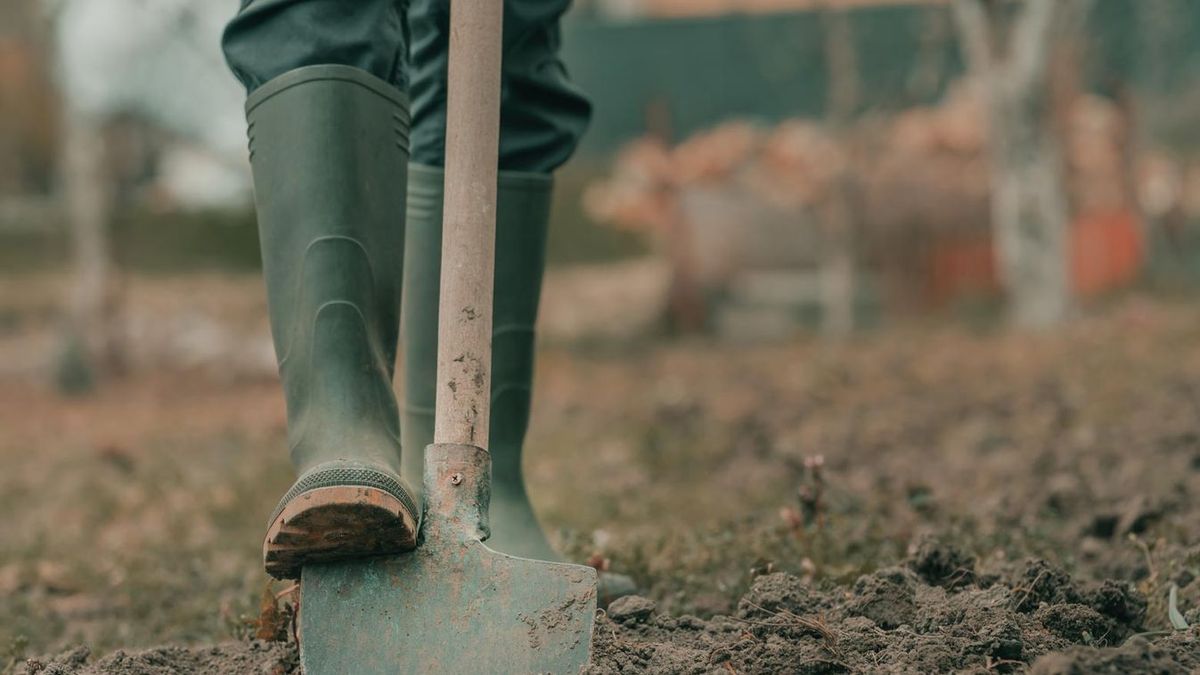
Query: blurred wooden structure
(741, 210)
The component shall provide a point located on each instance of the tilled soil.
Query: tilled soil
(256, 656)
(924, 500)
(936, 613)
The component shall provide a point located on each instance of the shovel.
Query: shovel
(453, 605)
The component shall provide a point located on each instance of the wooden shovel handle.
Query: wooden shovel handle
(469, 224)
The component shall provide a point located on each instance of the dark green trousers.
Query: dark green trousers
(404, 42)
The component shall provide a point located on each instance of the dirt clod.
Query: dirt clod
(631, 609)
(1177, 654)
(1078, 623)
(771, 593)
(942, 564)
(1038, 582)
(1119, 600)
(887, 597)
(1001, 639)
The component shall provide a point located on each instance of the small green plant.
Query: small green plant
(1173, 613)
(75, 375)
(14, 653)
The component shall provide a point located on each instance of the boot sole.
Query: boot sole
(336, 523)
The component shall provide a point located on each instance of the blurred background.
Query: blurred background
(869, 268)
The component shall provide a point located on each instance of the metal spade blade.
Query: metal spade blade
(453, 605)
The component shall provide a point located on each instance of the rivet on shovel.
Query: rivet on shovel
(456, 479)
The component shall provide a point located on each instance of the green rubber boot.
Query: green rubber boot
(522, 218)
(328, 145)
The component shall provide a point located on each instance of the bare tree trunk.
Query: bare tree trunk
(88, 198)
(1030, 212)
(837, 274)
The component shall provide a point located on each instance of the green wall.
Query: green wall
(770, 67)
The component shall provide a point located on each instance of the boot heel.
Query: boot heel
(339, 512)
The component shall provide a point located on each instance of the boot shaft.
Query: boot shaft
(522, 218)
(328, 148)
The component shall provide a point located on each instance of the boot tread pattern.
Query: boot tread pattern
(343, 522)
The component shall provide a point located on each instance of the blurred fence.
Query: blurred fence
(673, 77)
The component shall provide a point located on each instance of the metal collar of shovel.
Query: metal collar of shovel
(453, 605)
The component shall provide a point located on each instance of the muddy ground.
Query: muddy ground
(926, 499)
